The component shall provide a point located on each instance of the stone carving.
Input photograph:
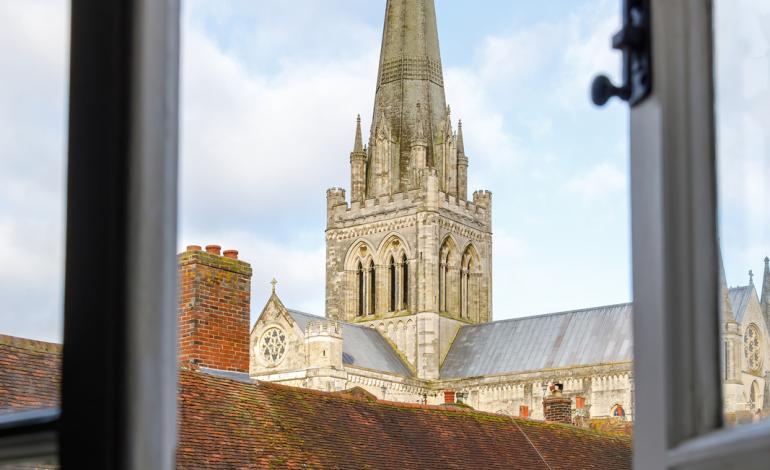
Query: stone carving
(272, 346)
(411, 68)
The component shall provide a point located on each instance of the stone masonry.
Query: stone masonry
(409, 252)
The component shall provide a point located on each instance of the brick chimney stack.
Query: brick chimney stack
(556, 407)
(214, 309)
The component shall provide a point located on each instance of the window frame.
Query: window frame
(127, 52)
(676, 257)
(119, 374)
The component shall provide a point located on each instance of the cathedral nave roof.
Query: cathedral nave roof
(590, 336)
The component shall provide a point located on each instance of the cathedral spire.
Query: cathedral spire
(410, 73)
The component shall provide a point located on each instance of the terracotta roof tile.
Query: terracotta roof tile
(226, 423)
(235, 425)
(29, 374)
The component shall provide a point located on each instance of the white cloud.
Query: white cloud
(300, 272)
(603, 180)
(742, 45)
(256, 147)
(33, 58)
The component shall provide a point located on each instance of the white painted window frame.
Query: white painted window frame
(675, 258)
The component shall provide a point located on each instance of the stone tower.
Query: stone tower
(409, 254)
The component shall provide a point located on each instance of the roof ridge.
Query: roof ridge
(541, 315)
(363, 327)
(30, 344)
(741, 287)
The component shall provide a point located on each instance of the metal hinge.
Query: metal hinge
(635, 43)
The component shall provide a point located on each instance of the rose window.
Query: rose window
(751, 348)
(272, 346)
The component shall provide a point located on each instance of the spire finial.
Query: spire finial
(358, 146)
(273, 283)
(751, 277)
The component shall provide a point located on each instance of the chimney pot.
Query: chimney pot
(193, 248)
(449, 396)
(556, 389)
(232, 254)
(214, 249)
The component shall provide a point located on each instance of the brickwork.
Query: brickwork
(558, 409)
(214, 309)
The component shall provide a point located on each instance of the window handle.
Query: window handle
(634, 41)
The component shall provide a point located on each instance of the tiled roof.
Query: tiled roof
(227, 423)
(29, 374)
(362, 346)
(230, 424)
(590, 336)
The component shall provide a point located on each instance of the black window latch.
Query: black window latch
(634, 41)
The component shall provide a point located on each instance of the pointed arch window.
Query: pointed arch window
(465, 291)
(393, 287)
(404, 283)
(360, 282)
(372, 288)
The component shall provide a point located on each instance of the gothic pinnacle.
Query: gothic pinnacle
(358, 146)
(766, 287)
(460, 143)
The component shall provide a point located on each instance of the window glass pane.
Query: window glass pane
(528, 178)
(742, 49)
(34, 56)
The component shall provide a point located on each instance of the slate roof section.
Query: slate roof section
(739, 299)
(362, 346)
(228, 424)
(29, 374)
(597, 335)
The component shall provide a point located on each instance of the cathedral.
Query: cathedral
(409, 278)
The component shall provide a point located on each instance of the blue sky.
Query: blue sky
(270, 91)
(518, 77)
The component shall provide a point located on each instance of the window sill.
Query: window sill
(736, 447)
(29, 436)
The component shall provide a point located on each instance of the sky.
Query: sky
(269, 94)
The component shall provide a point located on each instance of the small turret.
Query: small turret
(483, 198)
(335, 197)
(358, 166)
(324, 344)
